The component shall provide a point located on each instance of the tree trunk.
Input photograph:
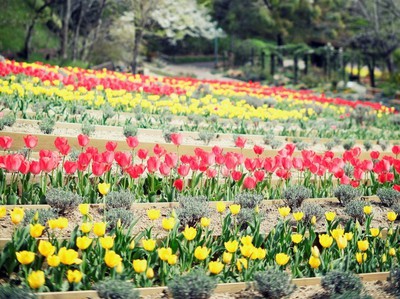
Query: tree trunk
(96, 32)
(76, 33)
(138, 40)
(371, 71)
(64, 32)
(25, 52)
(279, 42)
(389, 64)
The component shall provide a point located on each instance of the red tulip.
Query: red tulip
(250, 164)
(24, 168)
(178, 184)
(249, 183)
(164, 169)
(111, 145)
(108, 157)
(211, 173)
(230, 161)
(258, 150)
(135, 171)
(290, 147)
(30, 141)
(5, 142)
(217, 150)
(236, 175)
(83, 140)
(354, 183)
(396, 149)
(259, 175)
(385, 177)
(220, 159)
(171, 159)
(34, 167)
(70, 167)
(345, 180)
(159, 150)
(64, 149)
(240, 142)
(374, 155)
(153, 163)
(98, 169)
(60, 141)
(132, 141)
(48, 164)
(13, 162)
(183, 170)
(176, 138)
(396, 187)
(123, 159)
(142, 153)
(83, 161)
(298, 163)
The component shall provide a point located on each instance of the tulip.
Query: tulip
(330, 216)
(201, 253)
(314, 262)
(241, 263)
(246, 240)
(282, 259)
(36, 230)
(68, 256)
(247, 250)
(313, 220)
(132, 245)
(227, 257)
(132, 141)
(99, 229)
(17, 214)
(112, 259)
(235, 209)
(3, 212)
(172, 259)
(164, 253)
(384, 258)
(168, 223)
(74, 276)
(215, 267)
(104, 188)
(139, 266)
(297, 238)
(341, 242)
(150, 273)
(83, 140)
(391, 216)
(107, 242)
(53, 260)
(231, 246)
(348, 236)
(221, 207)
(149, 244)
(240, 142)
(361, 257)
(337, 232)
(261, 253)
(367, 210)
(84, 208)
(46, 248)
(374, 232)
(392, 251)
(86, 227)
(363, 245)
(153, 214)
(176, 138)
(205, 222)
(30, 141)
(325, 240)
(284, 211)
(83, 242)
(298, 216)
(25, 257)
(315, 252)
(36, 279)
(189, 233)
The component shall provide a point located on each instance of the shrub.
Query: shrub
(192, 209)
(330, 145)
(274, 284)
(275, 144)
(9, 291)
(311, 209)
(346, 193)
(339, 282)
(206, 136)
(44, 216)
(113, 215)
(88, 128)
(119, 200)
(116, 289)
(388, 196)
(348, 144)
(351, 295)
(108, 112)
(248, 200)
(268, 138)
(9, 119)
(355, 209)
(130, 130)
(245, 217)
(194, 285)
(47, 125)
(367, 145)
(62, 201)
(294, 196)
(394, 279)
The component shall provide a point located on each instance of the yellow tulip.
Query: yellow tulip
(86, 227)
(46, 248)
(247, 250)
(36, 230)
(341, 242)
(330, 216)
(172, 259)
(227, 257)
(246, 240)
(284, 211)
(17, 214)
(384, 258)
(314, 262)
(168, 223)
(221, 207)
(25, 257)
(235, 209)
(84, 208)
(164, 253)
(367, 210)
(104, 188)
(74, 276)
(132, 245)
(107, 242)
(374, 232)
(139, 266)
(201, 253)
(83, 242)
(363, 245)
(3, 212)
(261, 253)
(348, 236)
(112, 259)
(53, 260)
(215, 267)
(297, 238)
(361, 257)
(325, 240)
(337, 232)
(281, 259)
(315, 251)
(392, 251)
(59, 223)
(36, 279)
(149, 244)
(205, 222)
(189, 233)
(298, 216)
(231, 246)
(391, 216)
(150, 273)
(242, 263)
(153, 214)
(119, 268)
(99, 229)
(313, 220)
(257, 209)
(68, 256)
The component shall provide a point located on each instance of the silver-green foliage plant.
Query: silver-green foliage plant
(116, 289)
(194, 285)
(274, 284)
(47, 124)
(88, 128)
(63, 201)
(338, 282)
(192, 209)
(119, 200)
(346, 193)
(311, 209)
(355, 209)
(130, 130)
(44, 215)
(388, 196)
(14, 292)
(293, 196)
(125, 217)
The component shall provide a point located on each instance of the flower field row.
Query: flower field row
(93, 252)
(162, 175)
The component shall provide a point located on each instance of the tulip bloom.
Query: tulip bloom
(241, 264)
(235, 209)
(363, 245)
(201, 253)
(74, 276)
(284, 211)
(298, 216)
(221, 207)
(374, 232)
(391, 216)
(53, 260)
(139, 266)
(246, 240)
(30, 141)
(150, 273)
(107, 242)
(341, 242)
(17, 214)
(205, 222)
(176, 139)
(46, 248)
(104, 188)
(153, 214)
(367, 210)
(361, 257)
(36, 279)
(325, 240)
(36, 230)
(86, 227)
(314, 262)
(330, 216)
(99, 229)
(68, 256)
(297, 238)
(149, 244)
(189, 233)
(227, 257)
(164, 253)
(25, 257)
(168, 223)
(215, 267)
(3, 212)
(112, 259)
(84, 208)
(282, 259)
(231, 246)
(83, 242)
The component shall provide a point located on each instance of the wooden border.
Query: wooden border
(221, 287)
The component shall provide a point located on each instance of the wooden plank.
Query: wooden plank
(69, 295)
(309, 281)
(376, 276)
